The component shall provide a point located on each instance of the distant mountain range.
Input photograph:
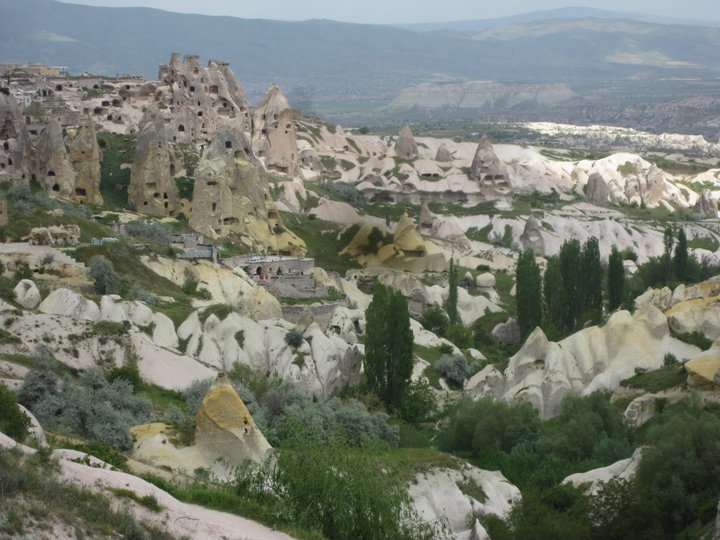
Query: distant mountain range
(318, 62)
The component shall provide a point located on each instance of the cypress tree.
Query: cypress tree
(592, 277)
(555, 300)
(571, 269)
(451, 306)
(615, 280)
(388, 346)
(528, 294)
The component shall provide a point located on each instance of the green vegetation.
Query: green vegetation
(114, 180)
(388, 346)
(13, 422)
(529, 301)
(660, 379)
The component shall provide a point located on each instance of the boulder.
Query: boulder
(27, 294)
(486, 280)
(225, 429)
(405, 146)
(70, 304)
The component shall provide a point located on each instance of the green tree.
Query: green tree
(13, 422)
(680, 261)
(592, 278)
(555, 300)
(452, 300)
(615, 280)
(528, 293)
(570, 268)
(388, 346)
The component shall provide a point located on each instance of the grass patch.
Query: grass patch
(117, 150)
(659, 379)
(148, 501)
(704, 242)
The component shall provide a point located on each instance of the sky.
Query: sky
(410, 11)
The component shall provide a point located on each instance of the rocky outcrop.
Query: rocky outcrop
(27, 294)
(15, 148)
(596, 190)
(274, 138)
(52, 166)
(593, 480)
(443, 155)
(224, 428)
(231, 198)
(451, 498)
(201, 100)
(70, 304)
(405, 146)
(597, 358)
(84, 155)
(704, 369)
(532, 237)
(152, 188)
(489, 172)
(706, 206)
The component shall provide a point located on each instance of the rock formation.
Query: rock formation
(224, 428)
(84, 155)
(27, 294)
(405, 146)
(274, 137)
(593, 480)
(231, 197)
(596, 190)
(488, 171)
(52, 166)
(201, 100)
(443, 154)
(152, 189)
(706, 206)
(654, 186)
(15, 149)
(532, 238)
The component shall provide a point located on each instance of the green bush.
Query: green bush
(454, 368)
(104, 276)
(435, 320)
(294, 338)
(150, 230)
(13, 422)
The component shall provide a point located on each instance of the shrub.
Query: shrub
(418, 403)
(436, 321)
(13, 422)
(294, 338)
(155, 230)
(104, 276)
(454, 368)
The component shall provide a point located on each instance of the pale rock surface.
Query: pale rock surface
(703, 369)
(70, 304)
(27, 294)
(489, 172)
(347, 324)
(485, 280)
(426, 338)
(624, 469)
(177, 518)
(259, 304)
(437, 495)
(595, 358)
(706, 206)
(532, 237)
(35, 431)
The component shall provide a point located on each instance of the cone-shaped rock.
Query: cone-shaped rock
(488, 170)
(274, 138)
(52, 166)
(15, 149)
(224, 427)
(84, 155)
(152, 188)
(443, 154)
(406, 147)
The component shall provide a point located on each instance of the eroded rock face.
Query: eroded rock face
(225, 429)
(52, 165)
(532, 237)
(596, 189)
(152, 188)
(203, 100)
(489, 172)
(231, 197)
(84, 155)
(274, 138)
(405, 146)
(593, 480)
(706, 206)
(15, 149)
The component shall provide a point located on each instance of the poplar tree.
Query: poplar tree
(452, 301)
(615, 280)
(528, 293)
(681, 256)
(388, 346)
(555, 300)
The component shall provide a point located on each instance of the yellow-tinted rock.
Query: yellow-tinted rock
(225, 429)
(703, 369)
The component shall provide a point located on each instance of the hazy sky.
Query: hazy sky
(408, 11)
